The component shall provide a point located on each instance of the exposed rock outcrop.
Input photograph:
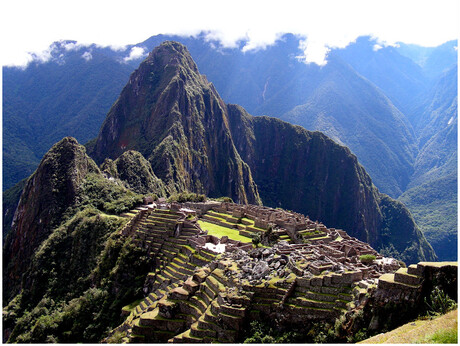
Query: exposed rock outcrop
(136, 172)
(175, 118)
(48, 193)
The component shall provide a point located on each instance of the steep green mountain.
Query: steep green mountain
(176, 119)
(47, 195)
(432, 193)
(352, 111)
(398, 76)
(308, 172)
(436, 110)
(434, 207)
(277, 83)
(67, 272)
(135, 171)
(270, 82)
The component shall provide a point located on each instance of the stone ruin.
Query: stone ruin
(205, 288)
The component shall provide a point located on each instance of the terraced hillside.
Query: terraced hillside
(208, 282)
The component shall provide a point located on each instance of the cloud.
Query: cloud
(71, 45)
(135, 53)
(327, 24)
(314, 52)
(87, 56)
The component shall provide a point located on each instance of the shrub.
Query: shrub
(256, 239)
(367, 258)
(223, 199)
(439, 302)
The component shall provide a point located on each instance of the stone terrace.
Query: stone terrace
(197, 295)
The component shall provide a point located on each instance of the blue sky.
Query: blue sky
(31, 26)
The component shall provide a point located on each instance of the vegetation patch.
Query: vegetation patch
(367, 259)
(420, 331)
(220, 231)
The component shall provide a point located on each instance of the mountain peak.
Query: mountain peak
(47, 195)
(176, 119)
(172, 54)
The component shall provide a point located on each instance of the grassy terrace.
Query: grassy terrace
(132, 306)
(220, 231)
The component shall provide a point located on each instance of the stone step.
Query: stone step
(169, 254)
(205, 290)
(302, 301)
(232, 321)
(207, 254)
(214, 285)
(198, 332)
(325, 297)
(199, 302)
(387, 281)
(199, 260)
(181, 269)
(187, 265)
(312, 312)
(402, 276)
(265, 301)
(141, 330)
(153, 296)
(173, 274)
(204, 324)
(209, 316)
(173, 247)
(179, 241)
(414, 269)
(153, 320)
(232, 310)
(218, 275)
(188, 307)
(185, 337)
(167, 216)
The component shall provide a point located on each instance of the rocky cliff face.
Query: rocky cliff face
(308, 172)
(136, 172)
(175, 118)
(48, 193)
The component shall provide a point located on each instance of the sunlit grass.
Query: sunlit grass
(220, 231)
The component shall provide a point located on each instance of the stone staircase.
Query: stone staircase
(218, 321)
(198, 309)
(404, 278)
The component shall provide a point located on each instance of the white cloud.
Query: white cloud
(135, 53)
(70, 46)
(87, 56)
(314, 52)
(327, 23)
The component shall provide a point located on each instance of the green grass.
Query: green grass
(130, 307)
(442, 329)
(220, 231)
(449, 336)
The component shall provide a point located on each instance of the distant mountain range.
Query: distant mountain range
(372, 99)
